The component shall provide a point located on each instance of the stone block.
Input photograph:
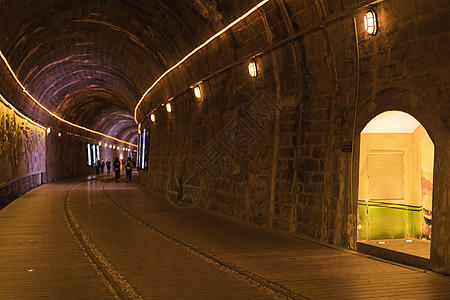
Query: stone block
(310, 165)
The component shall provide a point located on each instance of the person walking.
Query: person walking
(97, 167)
(129, 169)
(108, 166)
(102, 166)
(116, 166)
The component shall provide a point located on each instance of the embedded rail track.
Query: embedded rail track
(117, 284)
(121, 288)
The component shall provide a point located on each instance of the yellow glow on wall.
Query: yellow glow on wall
(370, 22)
(19, 113)
(252, 70)
(226, 28)
(51, 113)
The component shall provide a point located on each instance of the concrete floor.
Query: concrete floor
(98, 239)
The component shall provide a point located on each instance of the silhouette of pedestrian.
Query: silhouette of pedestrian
(116, 166)
(129, 169)
(108, 166)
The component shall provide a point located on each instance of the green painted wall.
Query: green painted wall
(377, 221)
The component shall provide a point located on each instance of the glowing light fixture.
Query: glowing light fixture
(252, 70)
(59, 134)
(197, 92)
(169, 107)
(99, 143)
(245, 15)
(381, 242)
(370, 22)
(110, 146)
(152, 117)
(409, 241)
(106, 145)
(114, 147)
(48, 130)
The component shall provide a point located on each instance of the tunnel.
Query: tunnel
(258, 111)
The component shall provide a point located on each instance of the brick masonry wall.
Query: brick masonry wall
(67, 156)
(270, 149)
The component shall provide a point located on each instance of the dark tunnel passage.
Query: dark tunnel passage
(274, 133)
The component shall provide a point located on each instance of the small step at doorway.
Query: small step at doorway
(412, 252)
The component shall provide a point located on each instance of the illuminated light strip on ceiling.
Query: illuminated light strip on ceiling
(194, 51)
(19, 113)
(53, 114)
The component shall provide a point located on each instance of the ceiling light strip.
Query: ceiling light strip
(53, 114)
(196, 50)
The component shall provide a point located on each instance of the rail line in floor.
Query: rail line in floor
(115, 282)
(255, 280)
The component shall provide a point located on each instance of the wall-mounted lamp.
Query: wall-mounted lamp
(169, 107)
(252, 70)
(48, 130)
(110, 146)
(197, 92)
(59, 134)
(106, 145)
(370, 22)
(114, 147)
(152, 117)
(99, 143)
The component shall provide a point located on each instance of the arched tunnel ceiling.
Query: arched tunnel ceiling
(91, 61)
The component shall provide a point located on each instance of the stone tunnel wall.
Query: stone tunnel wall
(66, 156)
(282, 149)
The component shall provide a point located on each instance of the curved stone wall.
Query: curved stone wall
(281, 149)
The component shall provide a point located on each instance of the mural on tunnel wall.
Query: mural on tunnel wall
(22, 150)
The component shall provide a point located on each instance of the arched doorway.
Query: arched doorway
(395, 184)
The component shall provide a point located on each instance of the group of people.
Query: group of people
(128, 166)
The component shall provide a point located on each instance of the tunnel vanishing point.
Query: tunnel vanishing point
(266, 111)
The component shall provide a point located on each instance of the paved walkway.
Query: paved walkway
(98, 239)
